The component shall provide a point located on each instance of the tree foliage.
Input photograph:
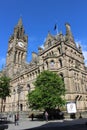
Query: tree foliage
(4, 88)
(48, 93)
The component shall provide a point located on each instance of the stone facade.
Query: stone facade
(60, 55)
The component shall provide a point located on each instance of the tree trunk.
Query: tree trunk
(1, 105)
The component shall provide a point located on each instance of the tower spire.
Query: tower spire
(19, 30)
(20, 22)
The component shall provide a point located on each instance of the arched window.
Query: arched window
(52, 64)
(47, 64)
(38, 71)
(30, 75)
(52, 53)
(49, 53)
(18, 56)
(60, 61)
(21, 57)
(59, 50)
(61, 75)
(43, 67)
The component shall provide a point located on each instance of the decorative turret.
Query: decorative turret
(79, 47)
(69, 35)
(40, 49)
(34, 57)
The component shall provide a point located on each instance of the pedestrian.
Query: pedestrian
(32, 116)
(80, 116)
(15, 119)
(46, 115)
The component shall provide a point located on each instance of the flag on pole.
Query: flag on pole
(56, 28)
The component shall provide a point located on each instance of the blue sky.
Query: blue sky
(39, 17)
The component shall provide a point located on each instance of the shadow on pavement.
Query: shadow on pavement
(63, 125)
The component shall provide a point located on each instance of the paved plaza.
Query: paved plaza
(69, 124)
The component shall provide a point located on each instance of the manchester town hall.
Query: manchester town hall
(60, 54)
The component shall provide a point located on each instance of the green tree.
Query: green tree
(48, 93)
(4, 89)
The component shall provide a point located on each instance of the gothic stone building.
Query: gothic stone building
(60, 55)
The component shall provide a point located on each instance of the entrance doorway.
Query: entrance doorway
(21, 107)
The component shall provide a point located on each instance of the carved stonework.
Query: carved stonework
(59, 54)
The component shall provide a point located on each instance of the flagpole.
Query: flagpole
(56, 28)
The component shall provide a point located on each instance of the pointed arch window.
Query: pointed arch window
(47, 64)
(19, 57)
(22, 57)
(52, 63)
(38, 71)
(60, 62)
(52, 53)
(59, 50)
(61, 75)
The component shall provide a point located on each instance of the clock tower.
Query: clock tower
(17, 49)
